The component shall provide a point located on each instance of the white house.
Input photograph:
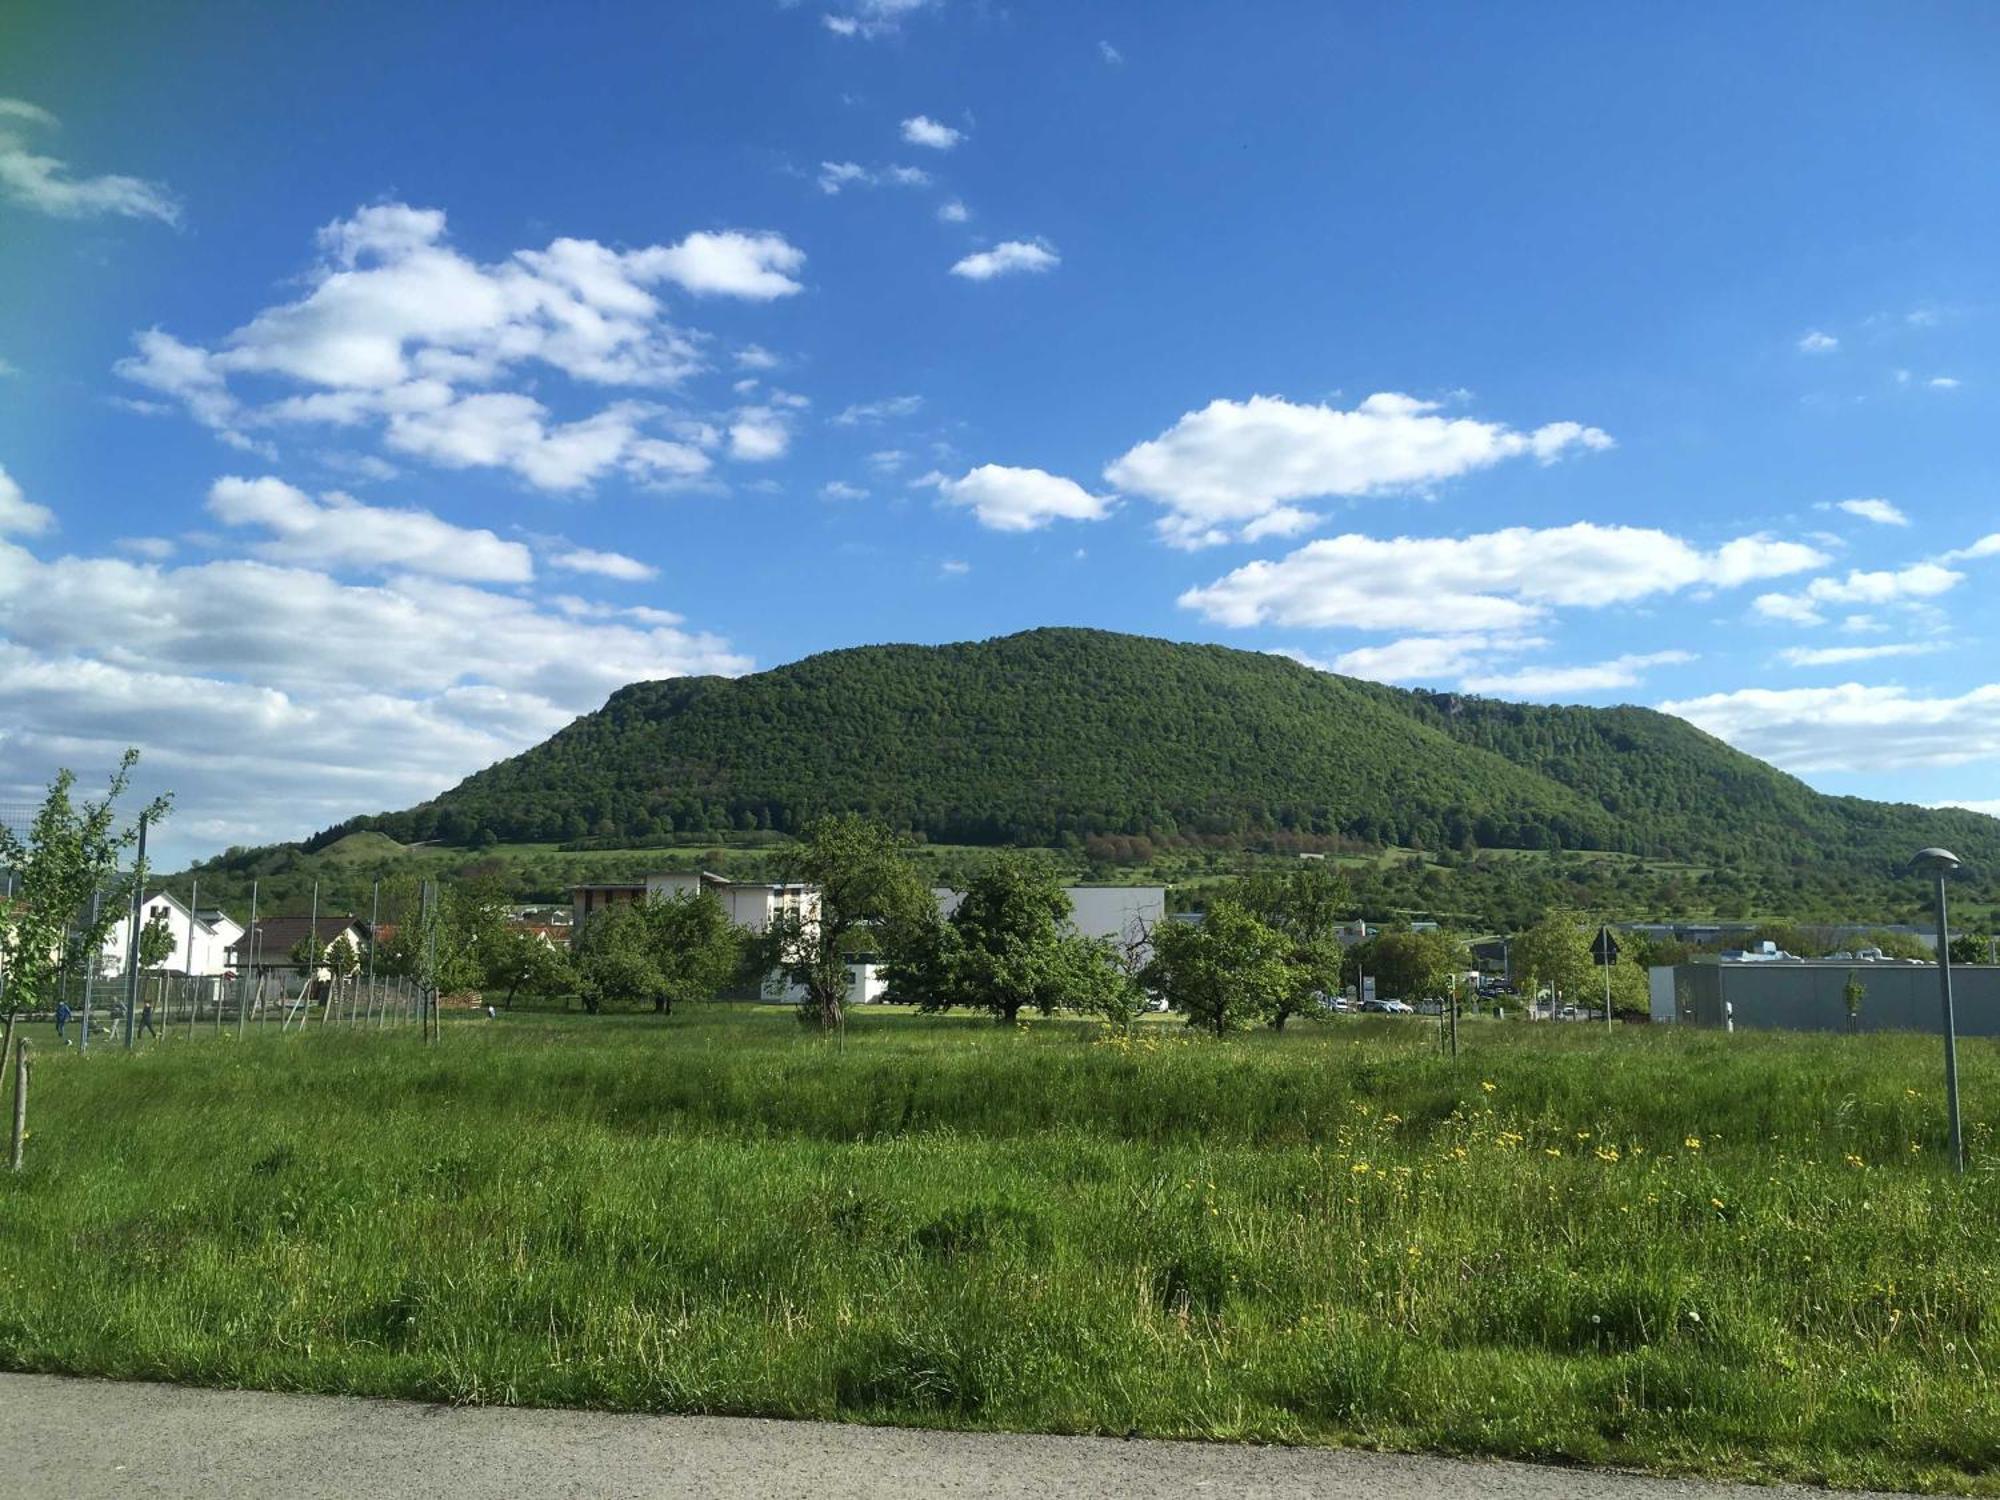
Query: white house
(749, 904)
(202, 940)
(1122, 913)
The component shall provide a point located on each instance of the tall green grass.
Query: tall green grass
(1686, 1251)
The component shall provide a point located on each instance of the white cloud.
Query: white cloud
(274, 700)
(1234, 468)
(1852, 727)
(155, 548)
(869, 19)
(887, 460)
(840, 489)
(953, 211)
(759, 434)
(755, 267)
(922, 130)
(1595, 677)
(1986, 546)
(1918, 582)
(1416, 658)
(1881, 512)
(835, 175)
(1840, 656)
(44, 184)
(1009, 258)
(19, 514)
(400, 331)
(952, 567)
(871, 412)
(613, 565)
(1816, 342)
(1943, 383)
(1008, 499)
(1498, 581)
(756, 357)
(339, 532)
(1110, 53)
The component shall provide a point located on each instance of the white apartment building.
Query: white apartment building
(202, 940)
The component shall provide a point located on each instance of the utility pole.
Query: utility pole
(1940, 863)
(132, 950)
(374, 929)
(249, 968)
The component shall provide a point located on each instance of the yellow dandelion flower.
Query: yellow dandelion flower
(1693, 1143)
(1717, 1203)
(1488, 1085)
(1359, 1168)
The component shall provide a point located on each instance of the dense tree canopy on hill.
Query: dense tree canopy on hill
(1056, 736)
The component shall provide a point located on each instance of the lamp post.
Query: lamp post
(1939, 863)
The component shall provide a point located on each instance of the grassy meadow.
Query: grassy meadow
(1683, 1251)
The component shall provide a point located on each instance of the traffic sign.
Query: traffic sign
(1605, 948)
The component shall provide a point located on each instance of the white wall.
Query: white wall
(199, 950)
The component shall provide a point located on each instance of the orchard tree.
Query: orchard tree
(1307, 907)
(696, 948)
(71, 853)
(861, 886)
(1414, 965)
(521, 960)
(1555, 952)
(1224, 972)
(614, 958)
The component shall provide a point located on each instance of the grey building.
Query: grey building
(1812, 995)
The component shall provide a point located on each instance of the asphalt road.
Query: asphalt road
(82, 1439)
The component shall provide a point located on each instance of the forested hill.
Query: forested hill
(1056, 735)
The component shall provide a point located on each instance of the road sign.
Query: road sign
(1605, 948)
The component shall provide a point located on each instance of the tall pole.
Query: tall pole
(243, 979)
(1950, 1029)
(187, 969)
(132, 950)
(374, 928)
(89, 974)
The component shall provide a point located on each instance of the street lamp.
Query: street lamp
(1940, 863)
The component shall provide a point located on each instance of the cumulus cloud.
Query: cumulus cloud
(1943, 383)
(1911, 585)
(840, 489)
(1110, 54)
(1986, 546)
(1816, 342)
(400, 332)
(1841, 656)
(275, 699)
(1009, 258)
(19, 514)
(1417, 658)
(1008, 499)
(1881, 512)
(1498, 581)
(759, 434)
(922, 130)
(613, 565)
(1594, 677)
(1235, 468)
(953, 211)
(1852, 727)
(46, 185)
(339, 532)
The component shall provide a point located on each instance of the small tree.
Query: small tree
(1005, 946)
(1971, 948)
(70, 854)
(1852, 994)
(1306, 907)
(343, 962)
(696, 948)
(520, 960)
(860, 884)
(1222, 973)
(156, 942)
(1556, 952)
(614, 958)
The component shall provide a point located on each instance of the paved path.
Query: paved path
(82, 1439)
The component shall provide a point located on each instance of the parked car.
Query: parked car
(1386, 1008)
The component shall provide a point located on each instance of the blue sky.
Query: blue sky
(383, 385)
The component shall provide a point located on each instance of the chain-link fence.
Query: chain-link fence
(91, 1011)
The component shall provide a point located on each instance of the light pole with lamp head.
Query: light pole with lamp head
(1940, 863)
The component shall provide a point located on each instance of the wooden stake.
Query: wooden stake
(20, 1103)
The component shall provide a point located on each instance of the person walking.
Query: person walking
(63, 1013)
(146, 1021)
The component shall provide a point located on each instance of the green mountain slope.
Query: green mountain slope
(1058, 734)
